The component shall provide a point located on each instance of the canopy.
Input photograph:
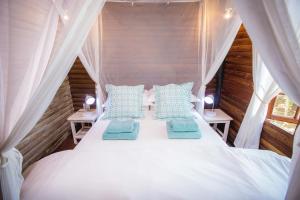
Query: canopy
(180, 41)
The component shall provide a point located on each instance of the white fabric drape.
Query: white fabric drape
(216, 34)
(265, 89)
(28, 31)
(150, 43)
(273, 26)
(91, 59)
(25, 37)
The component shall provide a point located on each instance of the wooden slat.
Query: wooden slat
(80, 83)
(50, 130)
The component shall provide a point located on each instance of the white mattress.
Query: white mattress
(154, 167)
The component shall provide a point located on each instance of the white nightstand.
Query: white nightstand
(220, 118)
(83, 117)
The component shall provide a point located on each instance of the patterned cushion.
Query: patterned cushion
(124, 101)
(173, 101)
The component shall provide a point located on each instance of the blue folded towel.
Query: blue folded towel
(118, 126)
(123, 135)
(182, 135)
(184, 125)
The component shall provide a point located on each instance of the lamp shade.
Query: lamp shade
(209, 99)
(89, 100)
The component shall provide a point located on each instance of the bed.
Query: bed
(154, 167)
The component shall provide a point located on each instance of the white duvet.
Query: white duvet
(154, 167)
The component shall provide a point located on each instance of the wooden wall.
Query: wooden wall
(81, 84)
(237, 82)
(237, 91)
(51, 130)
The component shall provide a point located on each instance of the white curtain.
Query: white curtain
(26, 30)
(273, 26)
(216, 35)
(91, 59)
(150, 43)
(265, 89)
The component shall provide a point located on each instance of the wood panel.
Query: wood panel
(51, 130)
(81, 84)
(276, 139)
(237, 91)
(237, 82)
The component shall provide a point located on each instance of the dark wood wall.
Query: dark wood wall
(237, 91)
(237, 82)
(81, 84)
(51, 130)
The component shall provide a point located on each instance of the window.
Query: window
(284, 113)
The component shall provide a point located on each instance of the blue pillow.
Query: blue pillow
(173, 101)
(124, 101)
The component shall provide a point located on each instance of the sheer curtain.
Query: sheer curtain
(28, 31)
(216, 35)
(273, 27)
(91, 59)
(25, 28)
(265, 89)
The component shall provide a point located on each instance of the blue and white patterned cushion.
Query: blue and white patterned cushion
(124, 101)
(173, 101)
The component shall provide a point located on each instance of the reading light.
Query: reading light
(89, 100)
(228, 13)
(210, 100)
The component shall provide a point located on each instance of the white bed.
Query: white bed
(154, 167)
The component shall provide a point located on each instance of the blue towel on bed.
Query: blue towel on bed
(118, 126)
(123, 135)
(184, 125)
(182, 135)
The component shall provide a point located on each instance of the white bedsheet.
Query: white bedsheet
(154, 167)
(151, 130)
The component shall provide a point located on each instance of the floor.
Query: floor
(68, 144)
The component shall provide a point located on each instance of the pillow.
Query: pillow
(151, 97)
(146, 101)
(124, 101)
(173, 101)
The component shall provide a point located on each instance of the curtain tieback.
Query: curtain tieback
(262, 101)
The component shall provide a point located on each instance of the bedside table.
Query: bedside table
(220, 118)
(82, 117)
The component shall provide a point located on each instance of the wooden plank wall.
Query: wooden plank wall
(237, 83)
(81, 84)
(51, 130)
(237, 91)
